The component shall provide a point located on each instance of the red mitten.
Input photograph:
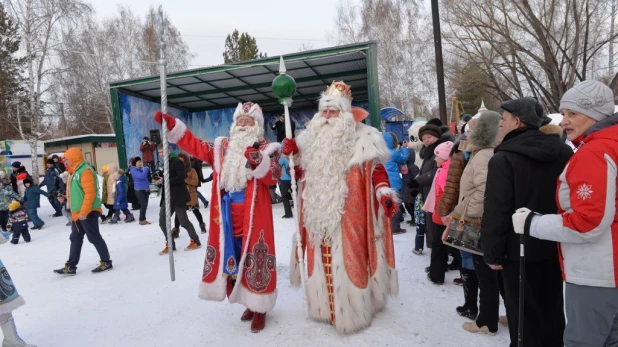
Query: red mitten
(389, 205)
(254, 157)
(289, 147)
(171, 121)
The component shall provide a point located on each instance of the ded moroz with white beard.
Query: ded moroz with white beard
(345, 208)
(240, 257)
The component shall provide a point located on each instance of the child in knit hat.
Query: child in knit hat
(443, 159)
(18, 222)
(21, 188)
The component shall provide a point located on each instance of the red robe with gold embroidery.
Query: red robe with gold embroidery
(257, 287)
(349, 280)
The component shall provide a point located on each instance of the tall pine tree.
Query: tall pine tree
(11, 67)
(240, 47)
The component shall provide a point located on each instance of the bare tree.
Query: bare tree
(39, 22)
(93, 54)
(530, 47)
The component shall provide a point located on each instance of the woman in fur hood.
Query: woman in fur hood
(480, 145)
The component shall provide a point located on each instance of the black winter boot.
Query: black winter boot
(471, 290)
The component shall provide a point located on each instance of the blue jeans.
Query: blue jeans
(201, 197)
(55, 204)
(35, 217)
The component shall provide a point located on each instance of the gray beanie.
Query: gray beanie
(591, 98)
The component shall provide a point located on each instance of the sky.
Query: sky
(279, 26)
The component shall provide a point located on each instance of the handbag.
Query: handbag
(465, 234)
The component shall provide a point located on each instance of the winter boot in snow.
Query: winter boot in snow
(418, 251)
(130, 219)
(471, 291)
(193, 246)
(103, 266)
(246, 316)
(175, 233)
(66, 270)
(203, 228)
(166, 250)
(258, 323)
(11, 338)
(473, 328)
(114, 220)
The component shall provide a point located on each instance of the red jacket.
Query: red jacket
(147, 151)
(587, 223)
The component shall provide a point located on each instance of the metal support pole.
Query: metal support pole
(437, 39)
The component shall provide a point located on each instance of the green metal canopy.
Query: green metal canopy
(225, 86)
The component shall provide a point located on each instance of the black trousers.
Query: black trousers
(439, 251)
(90, 228)
(4, 219)
(142, 196)
(489, 288)
(286, 195)
(181, 213)
(543, 302)
(110, 210)
(196, 213)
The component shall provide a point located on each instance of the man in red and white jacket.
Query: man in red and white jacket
(587, 223)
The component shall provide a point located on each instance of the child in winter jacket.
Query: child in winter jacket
(443, 159)
(32, 198)
(120, 197)
(18, 222)
(7, 195)
(439, 251)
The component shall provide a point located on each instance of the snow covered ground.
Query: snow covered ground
(136, 304)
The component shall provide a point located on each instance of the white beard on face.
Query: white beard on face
(234, 174)
(326, 151)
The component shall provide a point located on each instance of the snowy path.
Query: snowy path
(136, 305)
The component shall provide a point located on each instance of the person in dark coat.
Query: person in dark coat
(17, 169)
(179, 197)
(279, 128)
(407, 195)
(523, 173)
(50, 181)
(131, 195)
(432, 136)
(58, 164)
(147, 148)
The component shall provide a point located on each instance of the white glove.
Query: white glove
(519, 219)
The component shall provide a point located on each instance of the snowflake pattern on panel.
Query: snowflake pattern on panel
(584, 192)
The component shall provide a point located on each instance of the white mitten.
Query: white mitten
(519, 219)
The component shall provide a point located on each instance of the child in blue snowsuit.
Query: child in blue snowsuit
(120, 199)
(32, 197)
(18, 222)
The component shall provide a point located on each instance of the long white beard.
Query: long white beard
(234, 174)
(326, 150)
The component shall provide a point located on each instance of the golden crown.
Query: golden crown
(339, 89)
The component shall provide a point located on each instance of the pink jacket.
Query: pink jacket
(437, 187)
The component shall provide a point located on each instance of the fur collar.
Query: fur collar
(370, 146)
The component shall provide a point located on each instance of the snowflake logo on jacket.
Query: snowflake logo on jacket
(584, 192)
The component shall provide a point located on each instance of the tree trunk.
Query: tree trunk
(32, 138)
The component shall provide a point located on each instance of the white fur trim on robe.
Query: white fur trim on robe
(177, 132)
(12, 305)
(217, 290)
(370, 146)
(295, 281)
(386, 191)
(264, 167)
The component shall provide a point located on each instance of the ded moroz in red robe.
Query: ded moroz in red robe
(257, 289)
(350, 279)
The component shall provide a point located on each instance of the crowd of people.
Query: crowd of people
(503, 194)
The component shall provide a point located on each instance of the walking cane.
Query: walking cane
(166, 165)
(284, 88)
(522, 278)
